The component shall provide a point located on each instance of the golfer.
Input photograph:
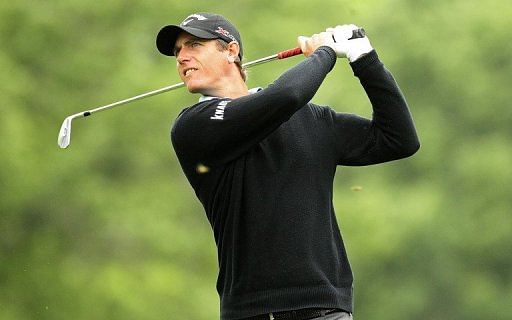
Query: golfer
(262, 163)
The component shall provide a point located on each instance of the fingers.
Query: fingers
(308, 45)
(301, 40)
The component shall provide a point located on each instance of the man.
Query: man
(262, 163)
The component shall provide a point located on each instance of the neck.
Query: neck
(230, 86)
(233, 90)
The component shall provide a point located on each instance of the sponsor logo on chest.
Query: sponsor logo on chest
(219, 111)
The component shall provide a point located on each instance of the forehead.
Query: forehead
(184, 37)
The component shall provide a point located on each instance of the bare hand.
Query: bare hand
(309, 45)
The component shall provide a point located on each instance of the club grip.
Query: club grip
(289, 53)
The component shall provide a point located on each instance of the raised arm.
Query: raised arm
(390, 134)
(217, 131)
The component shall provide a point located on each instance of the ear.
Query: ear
(233, 50)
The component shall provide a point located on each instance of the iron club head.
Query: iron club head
(64, 138)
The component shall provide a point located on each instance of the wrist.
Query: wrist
(329, 50)
(364, 62)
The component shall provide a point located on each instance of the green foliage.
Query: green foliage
(110, 228)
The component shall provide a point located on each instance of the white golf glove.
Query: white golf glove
(351, 49)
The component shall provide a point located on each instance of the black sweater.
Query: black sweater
(263, 167)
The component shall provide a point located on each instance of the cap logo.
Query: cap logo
(225, 33)
(191, 18)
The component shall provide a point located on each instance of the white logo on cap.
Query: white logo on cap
(192, 17)
(225, 33)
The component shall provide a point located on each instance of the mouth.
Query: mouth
(188, 71)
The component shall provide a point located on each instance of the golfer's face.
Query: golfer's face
(200, 63)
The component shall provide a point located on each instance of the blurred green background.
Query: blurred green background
(110, 228)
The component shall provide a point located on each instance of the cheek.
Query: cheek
(216, 68)
(178, 71)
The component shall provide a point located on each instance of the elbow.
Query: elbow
(403, 147)
(409, 148)
(414, 148)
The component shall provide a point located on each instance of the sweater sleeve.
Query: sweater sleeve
(217, 131)
(390, 134)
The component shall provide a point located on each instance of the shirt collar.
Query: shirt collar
(206, 98)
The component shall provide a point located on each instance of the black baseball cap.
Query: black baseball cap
(202, 25)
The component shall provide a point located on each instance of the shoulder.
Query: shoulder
(200, 110)
(191, 119)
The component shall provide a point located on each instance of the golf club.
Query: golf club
(64, 138)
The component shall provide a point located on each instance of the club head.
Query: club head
(64, 138)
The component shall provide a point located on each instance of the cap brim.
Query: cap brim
(166, 37)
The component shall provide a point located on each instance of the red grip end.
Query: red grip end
(289, 53)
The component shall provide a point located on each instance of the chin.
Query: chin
(191, 87)
(196, 89)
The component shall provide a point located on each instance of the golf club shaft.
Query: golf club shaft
(64, 138)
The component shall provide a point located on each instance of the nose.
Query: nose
(182, 56)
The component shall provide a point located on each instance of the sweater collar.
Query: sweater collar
(206, 98)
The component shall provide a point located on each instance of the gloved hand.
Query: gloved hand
(352, 49)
